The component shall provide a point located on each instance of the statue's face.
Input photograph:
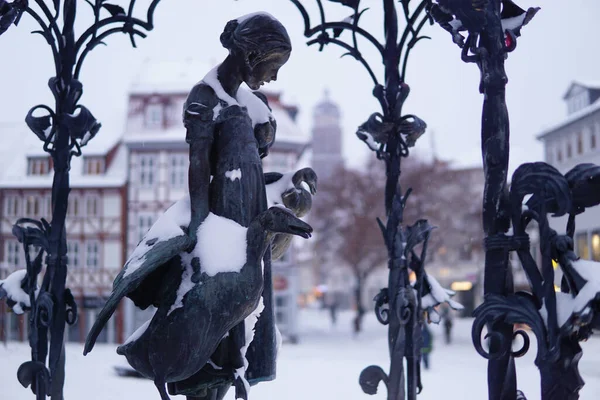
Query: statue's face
(266, 70)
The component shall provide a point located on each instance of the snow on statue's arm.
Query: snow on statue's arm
(199, 119)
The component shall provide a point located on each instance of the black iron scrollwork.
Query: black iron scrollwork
(64, 130)
(390, 133)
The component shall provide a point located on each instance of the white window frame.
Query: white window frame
(177, 170)
(38, 166)
(33, 205)
(94, 166)
(13, 253)
(74, 207)
(154, 115)
(92, 254)
(12, 205)
(92, 197)
(147, 169)
(48, 205)
(75, 260)
(144, 222)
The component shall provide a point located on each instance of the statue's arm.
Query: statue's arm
(265, 133)
(199, 121)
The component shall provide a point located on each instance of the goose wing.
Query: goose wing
(166, 239)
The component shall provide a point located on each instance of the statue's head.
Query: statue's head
(261, 43)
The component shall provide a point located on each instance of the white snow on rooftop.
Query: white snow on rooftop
(15, 175)
(170, 76)
(584, 112)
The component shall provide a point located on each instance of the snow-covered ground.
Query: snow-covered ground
(324, 365)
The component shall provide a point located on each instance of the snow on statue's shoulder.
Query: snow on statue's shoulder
(257, 110)
(11, 288)
(211, 79)
(168, 226)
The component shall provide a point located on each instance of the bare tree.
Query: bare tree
(345, 212)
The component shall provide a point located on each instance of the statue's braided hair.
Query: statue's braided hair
(258, 37)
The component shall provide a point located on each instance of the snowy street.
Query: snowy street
(324, 365)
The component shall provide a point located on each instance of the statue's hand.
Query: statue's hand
(265, 135)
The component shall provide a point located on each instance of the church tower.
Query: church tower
(327, 138)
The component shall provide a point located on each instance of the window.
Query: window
(549, 154)
(177, 170)
(559, 156)
(569, 150)
(48, 201)
(73, 254)
(38, 166)
(73, 208)
(13, 249)
(12, 206)
(596, 246)
(145, 222)
(582, 248)
(279, 162)
(593, 139)
(92, 252)
(94, 166)
(579, 144)
(147, 171)
(92, 205)
(32, 206)
(578, 101)
(154, 116)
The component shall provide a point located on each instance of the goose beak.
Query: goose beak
(300, 228)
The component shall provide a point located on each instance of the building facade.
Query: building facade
(95, 226)
(572, 141)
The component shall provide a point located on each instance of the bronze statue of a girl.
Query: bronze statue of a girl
(206, 263)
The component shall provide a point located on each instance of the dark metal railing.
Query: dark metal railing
(64, 130)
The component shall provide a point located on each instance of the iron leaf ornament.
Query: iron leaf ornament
(64, 129)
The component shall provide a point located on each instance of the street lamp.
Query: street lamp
(64, 130)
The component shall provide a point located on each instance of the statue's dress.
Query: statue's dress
(237, 192)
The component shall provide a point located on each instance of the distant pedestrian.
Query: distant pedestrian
(448, 322)
(333, 307)
(427, 344)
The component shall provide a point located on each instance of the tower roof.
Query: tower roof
(327, 106)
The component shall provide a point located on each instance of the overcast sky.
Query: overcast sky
(560, 44)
